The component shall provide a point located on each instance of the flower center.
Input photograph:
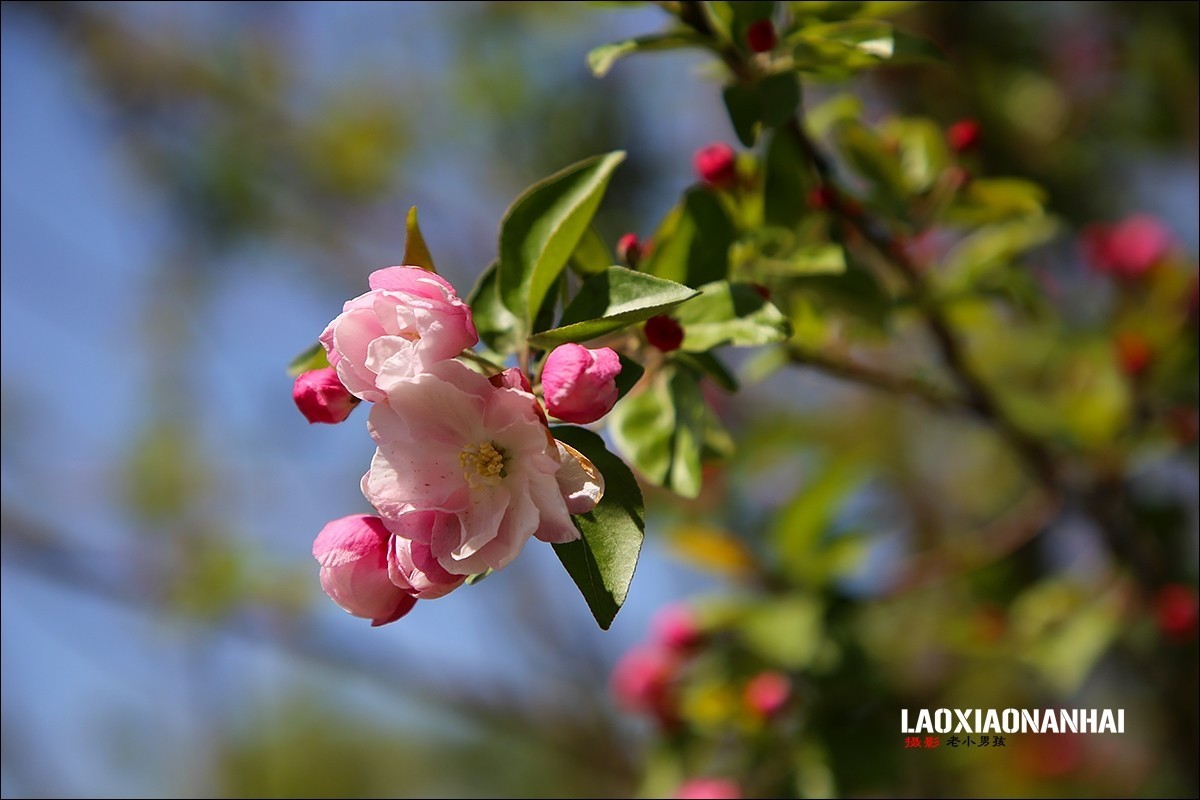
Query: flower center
(482, 463)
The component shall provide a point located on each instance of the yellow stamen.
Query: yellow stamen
(482, 463)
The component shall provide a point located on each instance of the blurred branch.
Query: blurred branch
(872, 378)
(570, 730)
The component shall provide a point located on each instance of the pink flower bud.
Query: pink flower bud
(1129, 249)
(353, 553)
(964, 135)
(642, 680)
(580, 384)
(760, 36)
(767, 693)
(321, 397)
(716, 165)
(1176, 611)
(629, 249)
(709, 789)
(664, 333)
(675, 627)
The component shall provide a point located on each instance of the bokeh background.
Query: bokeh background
(189, 193)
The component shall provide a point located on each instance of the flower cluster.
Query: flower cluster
(466, 469)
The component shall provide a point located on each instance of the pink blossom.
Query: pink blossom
(410, 320)
(411, 563)
(767, 693)
(580, 384)
(451, 442)
(1128, 249)
(641, 680)
(353, 553)
(629, 249)
(321, 397)
(709, 789)
(676, 628)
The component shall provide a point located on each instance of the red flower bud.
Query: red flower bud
(1176, 611)
(1133, 353)
(964, 135)
(1128, 249)
(321, 397)
(629, 249)
(664, 333)
(716, 165)
(760, 36)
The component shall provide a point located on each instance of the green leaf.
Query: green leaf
(416, 253)
(924, 155)
(631, 372)
(770, 102)
(870, 158)
(497, 326)
(603, 560)
(788, 180)
(642, 426)
(312, 358)
(610, 301)
(812, 259)
(730, 313)
(542, 229)
(994, 199)
(707, 364)
(601, 59)
(839, 49)
(856, 291)
(799, 533)
(787, 632)
(692, 244)
(744, 104)
(591, 254)
(691, 422)
(991, 247)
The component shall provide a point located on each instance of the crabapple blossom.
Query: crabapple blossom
(477, 455)
(409, 321)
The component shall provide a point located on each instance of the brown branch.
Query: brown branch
(863, 375)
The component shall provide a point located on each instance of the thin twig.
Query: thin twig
(863, 375)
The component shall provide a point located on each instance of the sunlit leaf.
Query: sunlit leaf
(312, 358)
(692, 244)
(542, 229)
(416, 252)
(601, 59)
(730, 313)
(610, 301)
(603, 560)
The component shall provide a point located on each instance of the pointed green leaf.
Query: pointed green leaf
(603, 560)
(610, 301)
(631, 372)
(601, 59)
(691, 422)
(745, 105)
(591, 254)
(730, 313)
(542, 229)
(416, 253)
(692, 244)
(788, 180)
(312, 358)
(642, 426)
(497, 326)
(707, 364)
